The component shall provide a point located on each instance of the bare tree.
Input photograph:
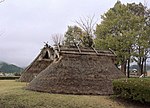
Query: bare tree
(57, 39)
(2, 1)
(87, 24)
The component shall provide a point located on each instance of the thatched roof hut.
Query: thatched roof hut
(78, 72)
(41, 62)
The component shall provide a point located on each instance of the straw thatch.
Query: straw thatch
(42, 61)
(87, 72)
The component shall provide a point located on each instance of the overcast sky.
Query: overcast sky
(26, 24)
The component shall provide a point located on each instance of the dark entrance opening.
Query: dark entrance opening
(46, 56)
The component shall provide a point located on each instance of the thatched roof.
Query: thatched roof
(78, 72)
(41, 62)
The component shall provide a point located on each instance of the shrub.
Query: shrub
(137, 89)
(17, 74)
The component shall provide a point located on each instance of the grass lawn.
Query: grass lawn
(13, 95)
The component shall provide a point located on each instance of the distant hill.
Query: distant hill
(9, 68)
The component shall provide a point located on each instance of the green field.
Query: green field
(13, 95)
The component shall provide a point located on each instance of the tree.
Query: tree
(82, 33)
(74, 33)
(87, 25)
(113, 32)
(57, 39)
(120, 30)
(142, 46)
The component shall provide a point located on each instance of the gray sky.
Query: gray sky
(26, 24)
